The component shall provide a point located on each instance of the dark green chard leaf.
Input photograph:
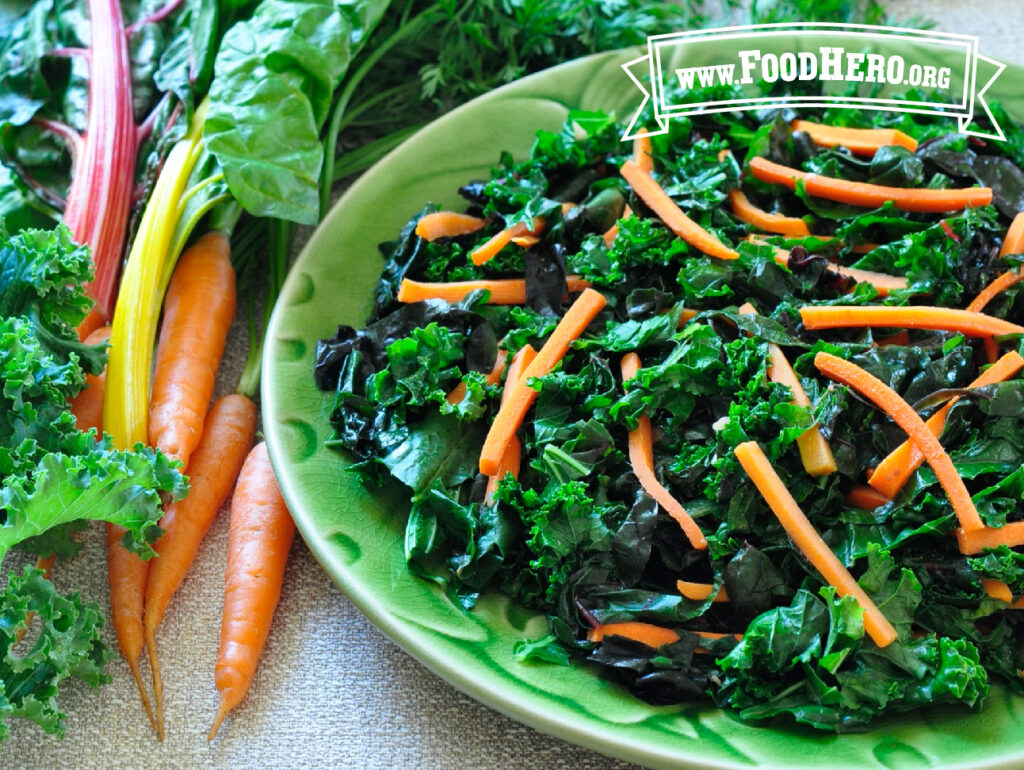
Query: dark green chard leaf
(275, 76)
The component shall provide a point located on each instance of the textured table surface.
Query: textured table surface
(331, 690)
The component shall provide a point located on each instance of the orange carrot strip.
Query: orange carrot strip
(886, 399)
(892, 473)
(871, 195)
(908, 317)
(198, 310)
(860, 141)
(899, 338)
(883, 282)
(808, 541)
(645, 633)
(490, 248)
(815, 452)
(997, 589)
(1011, 534)
(996, 287)
(699, 592)
(525, 241)
(447, 224)
(641, 459)
(643, 154)
(865, 497)
(227, 438)
(259, 539)
(503, 291)
(777, 224)
(511, 459)
(611, 232)
(651, 193)
(1013, 243)
(87, 406)
(493, 377)
(511, 414)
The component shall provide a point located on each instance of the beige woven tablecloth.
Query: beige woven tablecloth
(331, 690)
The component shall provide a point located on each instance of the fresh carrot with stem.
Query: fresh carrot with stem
(891, 475)
(512, 413)
(198, 310)
(87, 406)
(809, 542)
(641, 459)
(652, 193)
(871, 195)
(227, 437)
(890, 402)
(260, 536)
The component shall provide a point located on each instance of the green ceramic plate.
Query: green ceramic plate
(357, 533)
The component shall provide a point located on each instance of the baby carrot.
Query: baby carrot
(260, 535)
(227, 438)
(198, 310)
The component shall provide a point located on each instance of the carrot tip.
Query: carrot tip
(158, 684)
(221, 713)
(133, 666)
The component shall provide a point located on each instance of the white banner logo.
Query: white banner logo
(818, 65)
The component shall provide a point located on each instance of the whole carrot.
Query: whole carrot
(227, 438)
(260, 536)
(87, 406)
(198, 310)
(126, 574)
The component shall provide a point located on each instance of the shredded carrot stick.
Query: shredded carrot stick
(815, 452)
(611, 232)
(777, 224)
(908, 317)
(886, 399)
(490, 248)
(699, 592)
(645, 633)
(511, 414)
(996, 287)
(503, 291)
(997, 589)
(866, 498)
(511, 459)
(899, 338)
(1013, 243)
(525, 241)
(651, 193)
(860, 141)
(641, 458)
(1011, 534)
(871, 195)
(643, 154)
(883, 282)
(808, 541)
(493, 377)
(891, 475)
(447, 224)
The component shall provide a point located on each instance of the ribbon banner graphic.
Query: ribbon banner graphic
(854, 66)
